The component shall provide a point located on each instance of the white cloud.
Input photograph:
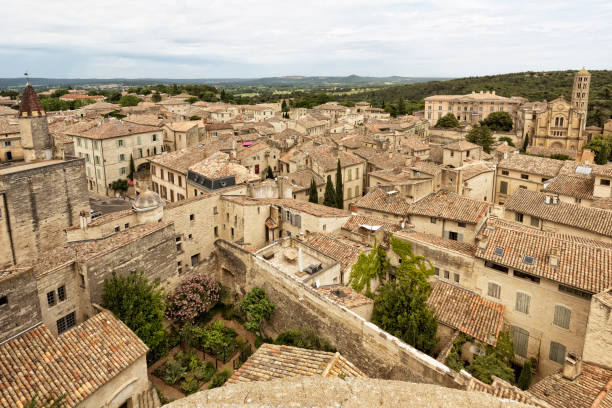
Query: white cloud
(264, 38)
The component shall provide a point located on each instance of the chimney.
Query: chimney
(483, 241)
(547, 199)
(555, 200)
(481, 92)
(553, 258)
(572, 367)
(300, 259)
(493, 92)
(83, 219)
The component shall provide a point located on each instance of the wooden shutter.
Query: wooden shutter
(557, 352)
(520, 338)
(522, 302)
(494, 290)
(299, 221)
(562, 316)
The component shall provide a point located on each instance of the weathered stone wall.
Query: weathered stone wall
(155, 254)
(597, 345)
(41, 202)
(50, 282)
(21, 310)
(374, 351)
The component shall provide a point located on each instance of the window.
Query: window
(503, 187)
(496, 267)
(195, 259)
(51, 298)
(604, 182)
(525, 176)
(216, 231)
(432, 220)
(66, 323)
(522, 302)
(154, 138)
(518, 217)
(117, 229)
(119, 143)
(138, 140)
(528, 259)
(215, 211)
(123, 170)
(557, 352)
(575, 292)
(456, 277)
(520, 338)
(505, 172)
(523, 275)
(499, 251)
(462, 224)
(257, 169)
(61, 293)
(562, 317)
(494, 290)
(453, 235)
(191, 217)
(446, 274)
(179, 247)
(82, 280)
(523, 187)
(437, 271)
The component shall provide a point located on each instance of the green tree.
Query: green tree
(120, 185)
(129, 100)
(498, 121)
(506, 139)
(195, 117)
(602, 147)
(339, 187)
(496, 361)
(402, 311)
(269, 173)
(330, 195)
(49, 402)
(132, 168)
(481, 135)
(524, 380)
(370, 266)
(313, 194)
(307, 339)
(447, 121)
(192, 100)
(137, 303)
(412, 268)
(156, 97)
(401, 107)
(257, 308)
(59, 92)
(284, 107)
(525, 143)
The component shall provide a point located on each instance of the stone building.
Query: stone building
(10, 141)
(181, 135)
(108, 147)
(35, 139)
(100, 363)
(559, 123)
(470, 108)
(258, 158)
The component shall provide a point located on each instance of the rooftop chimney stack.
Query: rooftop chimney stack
(572, 367)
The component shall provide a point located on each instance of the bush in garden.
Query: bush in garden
(217, 340)
(220, 378)
(193, 296)
(204, 371)
(308, 340)
(257, 308)
(189, 384)
(171, 372)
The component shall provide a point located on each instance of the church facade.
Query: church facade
(558, 124)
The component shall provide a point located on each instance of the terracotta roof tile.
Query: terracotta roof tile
(466, 311)
(343, 250)
(570, 185)
(582, 263)
(532, 164)
(345, 296)
(449, 244)
(450, 206)
(356, 222)
(76, 363)
(586, 218)
(114, 128)
(579, 393)
(272, 361)
(30, 103)
(380, 200)
(461, 145)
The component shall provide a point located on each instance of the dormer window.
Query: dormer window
(499, 251)
(604, 182)
(528, 259)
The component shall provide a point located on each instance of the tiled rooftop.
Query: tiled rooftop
(114, 128)
(466, 311)
(570, 185)
(586, 218)
(355, 223)
(379, 200)
(343, 250)
(582, 263)
(541, 166)
(461, 145)
(317, 210)
(448, 244)
(272, 361)
(450, 206)
(181, 160)
(582, 392)
(77, 363)
(219, 167)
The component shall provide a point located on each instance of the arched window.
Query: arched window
(560, 121)
(556, 121)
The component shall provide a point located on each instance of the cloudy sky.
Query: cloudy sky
(257, 38)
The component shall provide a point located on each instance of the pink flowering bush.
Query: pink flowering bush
(193, 296)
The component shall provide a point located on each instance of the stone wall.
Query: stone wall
(374, 351)
(41, 201)
(597, 344)
(21, 310)
(155, 254)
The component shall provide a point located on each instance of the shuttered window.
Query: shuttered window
(562, 316)
(494, 290)
(557, 352)
(522, 302)
(520, 338)
(298, 221)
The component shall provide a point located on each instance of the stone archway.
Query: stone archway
(557, 145)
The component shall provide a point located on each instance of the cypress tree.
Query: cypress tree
(526, 143)
(270, 175)
(524, 380)
(339, 187)
(401, 107)
(313, 195)
(132, 168)
(330, 196)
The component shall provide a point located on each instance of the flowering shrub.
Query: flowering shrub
(193, 296)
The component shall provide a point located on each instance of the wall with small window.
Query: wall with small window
(19, 305)
(59, 295)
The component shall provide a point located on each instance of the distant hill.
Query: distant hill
(353, 80)
(534, 86)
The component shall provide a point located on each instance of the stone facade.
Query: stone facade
(19, 306)
(39, 200)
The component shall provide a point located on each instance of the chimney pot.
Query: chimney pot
(572, 367)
